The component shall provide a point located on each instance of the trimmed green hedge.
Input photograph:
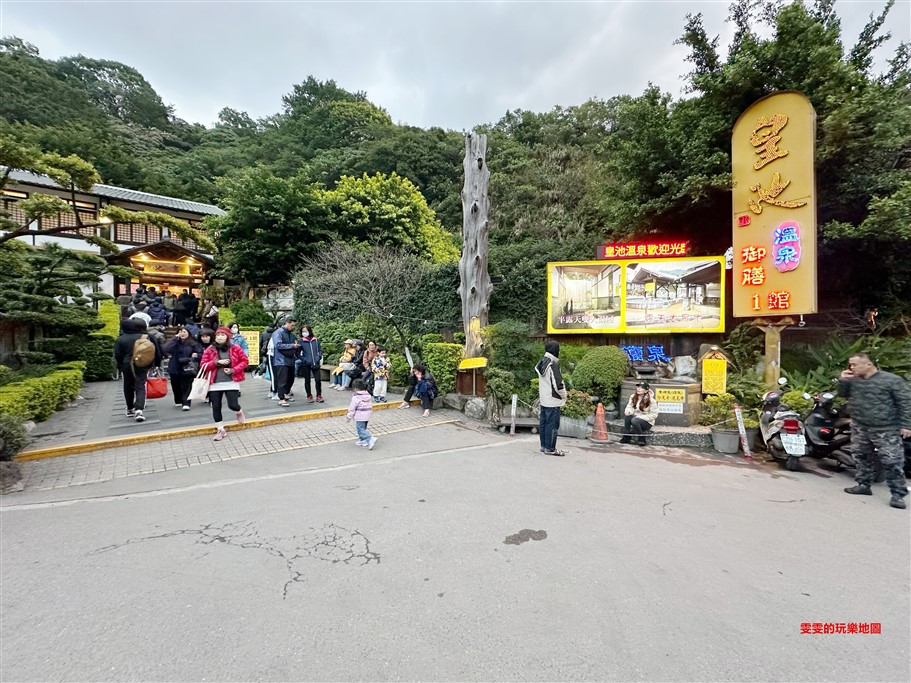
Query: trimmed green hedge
(13, 436)
(601, 370)
(98, 354)
(443, 360)
(38, 398)
(109, 312)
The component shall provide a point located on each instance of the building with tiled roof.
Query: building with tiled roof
(164, 260)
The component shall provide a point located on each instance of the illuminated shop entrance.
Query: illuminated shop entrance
(163, 265)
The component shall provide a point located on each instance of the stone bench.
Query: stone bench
(325, 369)
(692, 437)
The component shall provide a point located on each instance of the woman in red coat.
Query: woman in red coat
(224, 363)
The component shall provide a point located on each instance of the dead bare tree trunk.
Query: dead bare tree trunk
(475, 286)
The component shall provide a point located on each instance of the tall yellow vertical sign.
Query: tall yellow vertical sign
(774, 207)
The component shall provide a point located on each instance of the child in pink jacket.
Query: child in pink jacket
(360, 409)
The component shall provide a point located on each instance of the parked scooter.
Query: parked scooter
(828, 434)
(782, 429)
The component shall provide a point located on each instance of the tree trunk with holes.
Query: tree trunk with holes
(475, 286)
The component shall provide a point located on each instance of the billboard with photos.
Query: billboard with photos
(655, 295)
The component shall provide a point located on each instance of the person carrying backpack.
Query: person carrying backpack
(135, 354)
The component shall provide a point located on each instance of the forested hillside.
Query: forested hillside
(562, 180)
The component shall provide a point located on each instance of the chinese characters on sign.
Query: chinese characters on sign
(774, 221)
(647, 354)
(786, 246)
(714, 376)
(653, 250)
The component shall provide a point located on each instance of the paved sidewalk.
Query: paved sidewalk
(99, 413)
(163, 455)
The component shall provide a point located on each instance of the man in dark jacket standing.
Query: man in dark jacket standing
(551, 396)
(286, 346)
(134, 378)
(880, 407)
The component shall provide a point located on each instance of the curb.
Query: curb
(203, 430)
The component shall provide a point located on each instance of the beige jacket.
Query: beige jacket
(649, 414)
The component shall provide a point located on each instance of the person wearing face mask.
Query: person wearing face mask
(238, 338)
(309, 359)
(224, 364)
(184, 352)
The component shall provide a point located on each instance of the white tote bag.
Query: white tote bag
(200, 386)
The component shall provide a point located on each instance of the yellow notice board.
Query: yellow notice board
(670, 395)
(774, 207)
(253, 342)
(714, 376)
(646, 295)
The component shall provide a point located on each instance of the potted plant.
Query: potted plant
(718, 413)
(574, 415)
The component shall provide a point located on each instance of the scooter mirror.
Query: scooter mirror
(806, 396)
(827, 396)
(782, 381)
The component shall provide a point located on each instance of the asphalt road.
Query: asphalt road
(454, 554)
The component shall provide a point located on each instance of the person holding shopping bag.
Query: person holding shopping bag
(224, 363)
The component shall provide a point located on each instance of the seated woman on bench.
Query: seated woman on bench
(640, 414)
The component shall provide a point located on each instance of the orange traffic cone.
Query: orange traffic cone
(599, 431)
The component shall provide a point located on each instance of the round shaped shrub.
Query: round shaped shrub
(249, 313)
(601, 370)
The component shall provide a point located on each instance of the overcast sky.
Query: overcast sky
(448, 64)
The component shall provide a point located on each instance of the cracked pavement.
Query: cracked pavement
(330, 562)
(330, 543)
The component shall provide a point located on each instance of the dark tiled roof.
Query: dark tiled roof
(124, 195)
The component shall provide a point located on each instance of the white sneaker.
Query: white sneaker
(360, 443)
(185, 408)
(371, 443)
(140, 417)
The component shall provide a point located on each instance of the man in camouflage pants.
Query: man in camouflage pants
(880, 405)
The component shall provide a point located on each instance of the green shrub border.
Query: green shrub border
(443, 360)
(38, 398)
(109, 312)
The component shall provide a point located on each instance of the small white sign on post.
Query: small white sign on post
(743, 433)
(512, 418)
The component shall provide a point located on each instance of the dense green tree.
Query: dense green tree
(431, 159)
(117, 89)
(389, 210)
(272, 223)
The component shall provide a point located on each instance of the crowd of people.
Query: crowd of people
(216, 358)
(288, 356)
(163, 308)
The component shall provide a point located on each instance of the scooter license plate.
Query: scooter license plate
(794, 444)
